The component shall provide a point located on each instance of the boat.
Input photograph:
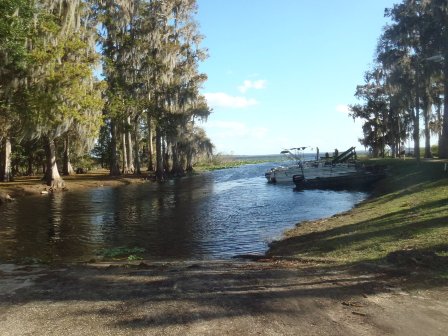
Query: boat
(285, 173)
(341, 164)
(362, 179)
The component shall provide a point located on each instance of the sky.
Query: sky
(281, 73)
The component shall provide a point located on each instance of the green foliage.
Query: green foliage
(102, 151)
(435, 150)
(133, 253)
(83, 161)
(15, 23)
(61, 93)
(374, 112)
(409, 77)
(151, 64)
(219, 161)
(134, 257)
(150, 54)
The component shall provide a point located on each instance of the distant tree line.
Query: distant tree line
(405, 93)
(119, 77)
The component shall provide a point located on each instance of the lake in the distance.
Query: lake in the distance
(214, 215)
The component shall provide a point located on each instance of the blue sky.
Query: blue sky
(281, 72)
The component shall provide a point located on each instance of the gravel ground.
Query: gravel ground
(215, 298)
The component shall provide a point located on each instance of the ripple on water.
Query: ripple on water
(210, 216)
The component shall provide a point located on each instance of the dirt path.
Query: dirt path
(214, 298)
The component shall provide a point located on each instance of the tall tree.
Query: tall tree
(416, 36)
(151, 51)
(61, 88)
(115, 18)
(440, 16)
(404, 35)
(374, 111)
(16, 19)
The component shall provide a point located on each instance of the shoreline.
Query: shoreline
(33, 185)
(315, 281)
(292, 244)
(283, 248)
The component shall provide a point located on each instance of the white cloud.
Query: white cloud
(221, 99)
(248, 84)
(343, 108)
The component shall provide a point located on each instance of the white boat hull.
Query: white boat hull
(285, 174)
(282, 174)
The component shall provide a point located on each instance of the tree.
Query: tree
(62, 93)
(102, 149)
(177, 99)
(440, 16)
(403, 39)
(374, 111)
(15, 25)
(115, 18)
(151, 50)
(418, 32)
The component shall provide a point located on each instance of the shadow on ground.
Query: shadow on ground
(175, 295)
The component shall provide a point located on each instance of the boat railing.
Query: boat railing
(345, 156)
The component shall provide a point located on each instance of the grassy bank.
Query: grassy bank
(225, 165)
(232, 161)
(405, 223)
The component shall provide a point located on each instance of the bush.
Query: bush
(435, 150)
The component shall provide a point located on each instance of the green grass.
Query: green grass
(209, 166)
(121, 253)
(408, 212)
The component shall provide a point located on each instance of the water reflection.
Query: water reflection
(213, 215)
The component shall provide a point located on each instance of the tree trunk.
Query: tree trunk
(150, 146)
(416, 131)
(125, 169)
(398, 139)
(183, 162)
(160, 175)
(166, 157)
(30, 170)
(67, 168)
(376, 145)
(178, 169)
(189, 161)
(52, 177)
(427, 115)
(114, 166)
(443, 147)
(136, 148)
(129, 149)
(439, 120)
(5, 165)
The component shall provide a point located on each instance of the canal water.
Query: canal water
(214, 215)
